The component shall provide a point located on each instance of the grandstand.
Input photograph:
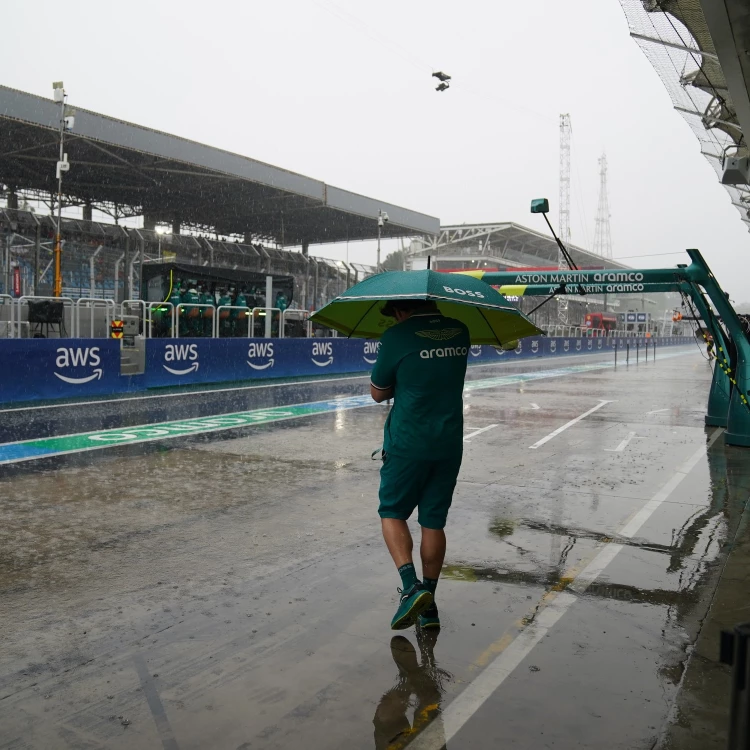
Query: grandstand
(220, 208)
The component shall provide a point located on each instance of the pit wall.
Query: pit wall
(48, 369)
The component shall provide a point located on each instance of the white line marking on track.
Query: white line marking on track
(534, 406)
(473, 697)
(479, 431)
(656, 411)
(621, 447)
(554, 434)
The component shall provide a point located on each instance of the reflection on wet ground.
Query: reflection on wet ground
(232, 591)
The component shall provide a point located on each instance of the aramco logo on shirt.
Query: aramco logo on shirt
(181, 354)
(448, 351)
(322, 349)
(260, 351)
(78, 357)
(371, 352)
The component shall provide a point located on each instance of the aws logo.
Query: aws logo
(519, 348)
(534, 347)
(260, 351)
(566, 345)
(552, 347)
(590, 344)
(578, 345)
(78, 357)
(371, 352)
(476, 350)
(599, 344)
(322, 349)
(181, 354)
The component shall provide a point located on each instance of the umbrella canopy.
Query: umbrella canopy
(490, 318)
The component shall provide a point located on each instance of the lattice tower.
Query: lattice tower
(602, 233)
(564, 210)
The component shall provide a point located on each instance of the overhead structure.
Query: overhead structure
(701, 51)
(124, 170)
(602, 232)
(564, 218)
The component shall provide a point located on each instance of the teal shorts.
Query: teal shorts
(406, 484)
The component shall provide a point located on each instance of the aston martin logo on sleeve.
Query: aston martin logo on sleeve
(440, 334)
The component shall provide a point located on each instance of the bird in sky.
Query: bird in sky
(441, 76)
(442, 87)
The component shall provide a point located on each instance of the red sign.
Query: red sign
(16, 282)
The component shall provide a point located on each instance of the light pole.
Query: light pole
(66, 123)
(382, 219)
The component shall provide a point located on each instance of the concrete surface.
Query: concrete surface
(231, 590)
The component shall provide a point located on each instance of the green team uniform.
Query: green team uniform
(424, 360)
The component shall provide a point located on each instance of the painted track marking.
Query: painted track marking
(556, 432)
(467, 438)
(623, 444)
(473, 697)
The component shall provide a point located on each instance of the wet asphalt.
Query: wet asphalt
(232, 590)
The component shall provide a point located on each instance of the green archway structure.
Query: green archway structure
(728, 403)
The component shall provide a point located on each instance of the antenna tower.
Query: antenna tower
(602, 234)
(564, 210)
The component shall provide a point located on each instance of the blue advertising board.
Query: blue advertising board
(35, 369)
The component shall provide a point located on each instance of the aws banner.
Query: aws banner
(184, 361)
(33, 369)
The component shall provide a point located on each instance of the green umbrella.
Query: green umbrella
(490, 318)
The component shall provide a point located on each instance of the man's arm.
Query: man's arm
(380, 394)
(383, 378)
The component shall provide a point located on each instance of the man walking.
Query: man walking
(422, 363)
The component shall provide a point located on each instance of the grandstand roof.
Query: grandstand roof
(502, 244)
(171, 178)
(701, 51)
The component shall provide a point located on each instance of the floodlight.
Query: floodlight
(539, 206)
(58, 92)
(161, 230)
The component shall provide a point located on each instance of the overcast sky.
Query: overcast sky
(342, 92)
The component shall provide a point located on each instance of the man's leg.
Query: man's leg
(432, 552)
(400, 481)
(398, 540)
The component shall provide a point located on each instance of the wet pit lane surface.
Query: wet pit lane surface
(231, 589)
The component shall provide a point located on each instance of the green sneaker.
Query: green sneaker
(429, 618)
(413, 603)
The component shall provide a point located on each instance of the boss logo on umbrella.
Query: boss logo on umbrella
(371, 351)
(260, 351)
(78, 357)
(322, 349)
(463, 292)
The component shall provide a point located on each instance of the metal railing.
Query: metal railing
(67, 302)
(218, 318)
(264, 312)
(92, 303)
(301, 315)
(125, 306)
(193, 312)
(165, 305)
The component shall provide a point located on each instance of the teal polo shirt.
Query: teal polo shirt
(424, 360)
